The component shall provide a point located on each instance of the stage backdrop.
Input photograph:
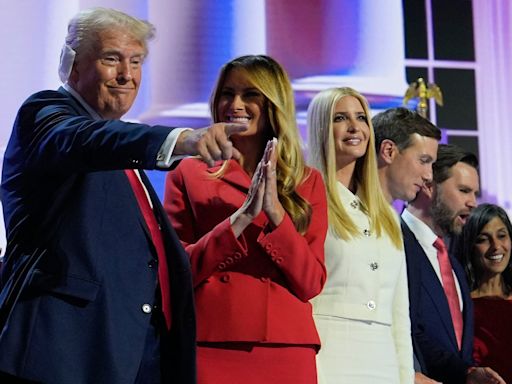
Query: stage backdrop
(377, 47)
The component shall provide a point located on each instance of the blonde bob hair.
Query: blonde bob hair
(266, 75)
(322, 155)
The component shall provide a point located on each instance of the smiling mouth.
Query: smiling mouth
(353, 141)
(495, 258)
(238, 119)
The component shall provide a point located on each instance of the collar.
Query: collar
(234, 174)
(95, 115)
(346, 195)
(422, 231)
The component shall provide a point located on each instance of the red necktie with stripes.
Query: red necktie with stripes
(449, 288)
(156, 236)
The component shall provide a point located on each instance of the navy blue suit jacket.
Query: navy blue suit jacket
(78, 317)
(434, 340)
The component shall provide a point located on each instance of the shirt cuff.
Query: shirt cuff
(165, 158)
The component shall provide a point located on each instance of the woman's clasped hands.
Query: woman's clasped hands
(262, 194)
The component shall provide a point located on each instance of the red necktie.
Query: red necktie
(156, 236)
(449, 288)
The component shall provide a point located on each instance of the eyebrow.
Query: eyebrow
(465, 186)
(501, 229)
(119, 53)
(226, 87)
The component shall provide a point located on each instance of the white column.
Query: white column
(493, 35)
(249, 37)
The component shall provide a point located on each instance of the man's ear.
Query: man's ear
(387, 151)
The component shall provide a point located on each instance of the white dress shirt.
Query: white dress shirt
(426, 238)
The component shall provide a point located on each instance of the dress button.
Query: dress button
(222, 266)
(374, 266)
(229, 261)
(238, 255)
(268, 247)
(278, 260)
(354, 204)
(146, 308)
(152, 263)
(367, 232)
(264, 279)
(371, 305)
(224, 278)
(274, 253)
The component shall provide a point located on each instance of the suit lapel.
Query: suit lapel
(80, 108)
(430, 281)
(135, 204)
(234, 175)
(177, 259)
(436, 292)
(149, 187)
(467, 312)
(155, 200)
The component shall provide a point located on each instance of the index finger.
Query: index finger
(273, 151)
(231, 128)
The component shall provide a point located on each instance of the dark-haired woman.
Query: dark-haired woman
(485, 250)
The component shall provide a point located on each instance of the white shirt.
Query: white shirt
(426, 238)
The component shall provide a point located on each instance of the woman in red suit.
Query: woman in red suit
(485, 245)
(254, 229)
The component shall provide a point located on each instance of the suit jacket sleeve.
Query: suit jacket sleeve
(58, 137)
(299, 257)
(442, 364)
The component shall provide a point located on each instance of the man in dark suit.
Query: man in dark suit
(441, 307)
(406, 145)
(90, 249)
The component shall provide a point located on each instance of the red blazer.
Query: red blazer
(254, 288)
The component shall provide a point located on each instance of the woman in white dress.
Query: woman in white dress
(362, 314)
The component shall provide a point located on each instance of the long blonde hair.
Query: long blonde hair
(322, 155)
(265, 74)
